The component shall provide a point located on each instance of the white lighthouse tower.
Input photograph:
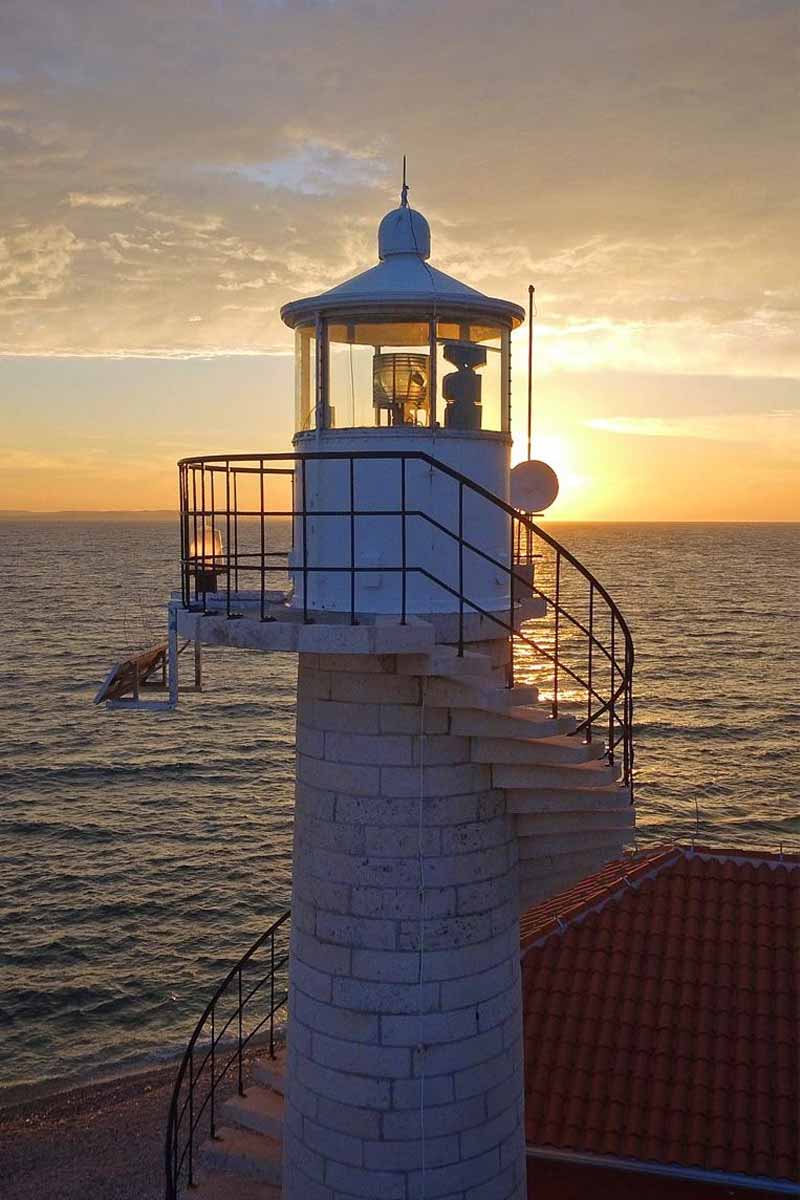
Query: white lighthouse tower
(463, 738)
(405, 1057)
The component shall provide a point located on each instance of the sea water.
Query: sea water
(141, 853)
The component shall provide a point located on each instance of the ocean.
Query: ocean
(141, 853)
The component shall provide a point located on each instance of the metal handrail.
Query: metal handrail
(196, 1086)
(605, 673)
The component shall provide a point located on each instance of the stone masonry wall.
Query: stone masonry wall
(376, 1049)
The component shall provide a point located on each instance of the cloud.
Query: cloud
(28, 460)
(34, 264)
(229, 284)
(316, 169)
(780, 428)
(629, 160)
(101, 199)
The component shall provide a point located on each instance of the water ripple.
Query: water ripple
(140, 853)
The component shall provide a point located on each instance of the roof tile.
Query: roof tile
(661, 999)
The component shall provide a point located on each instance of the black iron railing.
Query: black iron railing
(240, 1014)
(581, 656)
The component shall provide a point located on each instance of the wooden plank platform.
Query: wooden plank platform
(126, 679)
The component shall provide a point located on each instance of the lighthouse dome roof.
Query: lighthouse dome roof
(402, 277)
(404, 231)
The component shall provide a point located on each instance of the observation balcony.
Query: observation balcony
(279, 555)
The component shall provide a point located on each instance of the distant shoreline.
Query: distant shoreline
(79, 514)
(166, 514)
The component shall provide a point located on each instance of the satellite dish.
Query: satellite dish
(534, 486)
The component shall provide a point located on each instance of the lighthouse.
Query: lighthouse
(463, 747)
(404, 1064)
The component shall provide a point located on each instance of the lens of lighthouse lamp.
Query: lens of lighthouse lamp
(400, 387)
(205, 555)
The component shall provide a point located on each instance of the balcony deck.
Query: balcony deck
(288, 630)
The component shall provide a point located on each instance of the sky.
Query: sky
(175, 170)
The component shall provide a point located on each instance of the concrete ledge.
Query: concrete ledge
(286, 631)
(283, 634)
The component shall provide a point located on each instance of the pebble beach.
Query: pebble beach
(102, 1140)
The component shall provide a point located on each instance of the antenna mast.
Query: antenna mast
(404, 189)
(531, 290)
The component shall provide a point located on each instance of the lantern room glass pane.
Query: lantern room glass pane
(305, 377)
(472, 376)
(378, 373)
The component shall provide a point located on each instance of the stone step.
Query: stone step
(533, 891)
(528, 608)
(542, 846)
(533, 825)
(528, 712)
(242, 1152)
(580, 776)
(498, 651)
(260, 1109)
(449, 691)
(497, 678)
(216, 1186)
(445, 660)
(271, 1072)
(479, 628)
(582, 862)
(523, 575)
(545, 749)
(611, 798)
(511, 723)
(506, 698)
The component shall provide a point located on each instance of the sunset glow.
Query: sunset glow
(151, 231)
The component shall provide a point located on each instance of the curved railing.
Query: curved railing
(241, 1013)
(581, 657)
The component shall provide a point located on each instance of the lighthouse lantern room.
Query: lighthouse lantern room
(402, 346)
(402, 359)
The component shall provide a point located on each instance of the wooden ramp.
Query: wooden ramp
(127, 679)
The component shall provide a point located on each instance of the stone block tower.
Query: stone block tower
(405, 1073)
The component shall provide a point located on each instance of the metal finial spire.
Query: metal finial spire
(404, 188)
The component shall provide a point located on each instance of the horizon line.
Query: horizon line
(168, 513)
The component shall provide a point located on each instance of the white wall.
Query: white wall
(377, 540)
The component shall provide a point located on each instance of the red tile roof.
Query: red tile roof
(662, 1012)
